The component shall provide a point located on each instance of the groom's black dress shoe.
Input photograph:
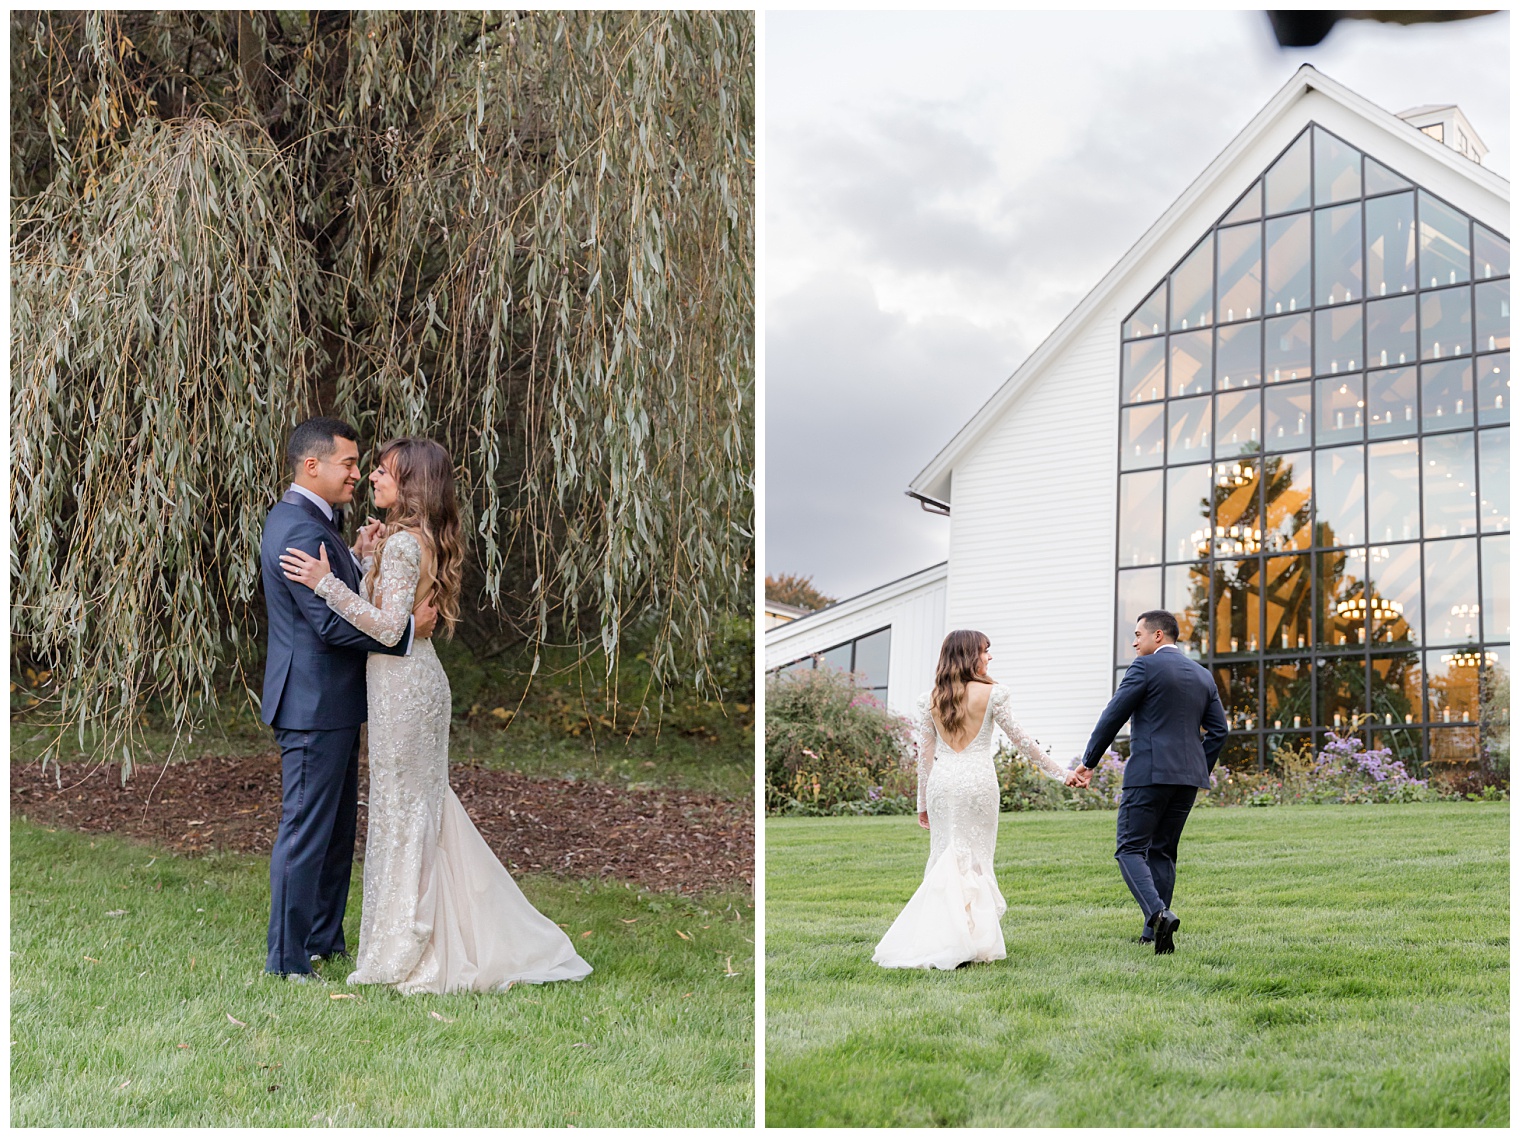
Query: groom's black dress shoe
(1164, 924)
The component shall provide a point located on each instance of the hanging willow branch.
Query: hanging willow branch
(528, 236)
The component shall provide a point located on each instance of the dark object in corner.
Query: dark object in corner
(1308, 28)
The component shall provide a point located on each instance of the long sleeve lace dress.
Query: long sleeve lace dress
(954, 915)
(440, 912)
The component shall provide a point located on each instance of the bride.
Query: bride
(953, 917)
(440, 913)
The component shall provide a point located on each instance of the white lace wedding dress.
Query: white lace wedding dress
(440, 912)
(954, 915)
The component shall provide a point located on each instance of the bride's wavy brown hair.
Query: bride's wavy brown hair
(957, 668)
(425, 504)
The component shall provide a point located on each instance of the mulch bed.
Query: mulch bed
(673, 840)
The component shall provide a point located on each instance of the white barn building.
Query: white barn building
(1283, 415)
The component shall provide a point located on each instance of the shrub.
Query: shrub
(1023, 787)
(833, 748)
(1344, 772)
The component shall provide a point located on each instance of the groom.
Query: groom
(314, 698)
(1168, 700)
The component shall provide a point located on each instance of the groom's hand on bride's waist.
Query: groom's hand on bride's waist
(424, 619)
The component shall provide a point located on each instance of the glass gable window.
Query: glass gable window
(1315, 459)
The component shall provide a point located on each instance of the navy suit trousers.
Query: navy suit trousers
(1150, 825)
(314, 850)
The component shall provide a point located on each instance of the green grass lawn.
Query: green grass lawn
(129, 967)
(1336, 966)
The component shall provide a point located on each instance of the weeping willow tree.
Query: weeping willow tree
(528, 235)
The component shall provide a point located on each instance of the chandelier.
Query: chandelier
(1381, 608)
(1235, 474)
(1469, 659)
(1227, 540)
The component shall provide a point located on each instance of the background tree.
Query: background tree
(529, 235)
(791, 589)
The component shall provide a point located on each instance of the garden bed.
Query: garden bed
(660, 838)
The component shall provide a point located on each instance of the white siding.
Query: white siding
(915, 611)
(1032, 541)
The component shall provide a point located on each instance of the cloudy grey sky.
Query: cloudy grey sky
(942, 189)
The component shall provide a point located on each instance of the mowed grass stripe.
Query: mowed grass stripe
(1336, 966)
(658, 1035)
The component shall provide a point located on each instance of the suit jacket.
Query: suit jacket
(1168, 699)
(314, 676)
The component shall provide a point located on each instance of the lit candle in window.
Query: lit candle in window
(1296, 721)
(1408, 718)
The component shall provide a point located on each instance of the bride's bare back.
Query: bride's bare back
(977, 695)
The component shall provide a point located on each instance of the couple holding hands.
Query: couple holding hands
(1178, 728)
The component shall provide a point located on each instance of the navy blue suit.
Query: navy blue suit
(314, 698)
(1167, 699)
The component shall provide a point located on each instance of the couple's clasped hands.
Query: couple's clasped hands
(303, 568)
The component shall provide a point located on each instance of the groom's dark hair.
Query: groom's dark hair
(1159, 620)
(315, 439)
